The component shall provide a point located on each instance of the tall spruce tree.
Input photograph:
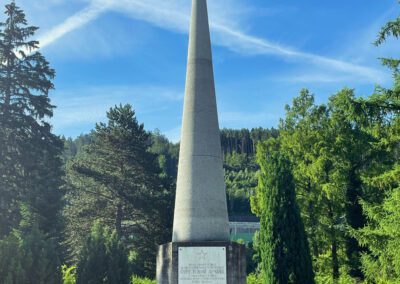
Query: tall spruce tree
(381, 180)
(30, 164)
(283, 243)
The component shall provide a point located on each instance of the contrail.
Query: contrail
(257, 45)
(168, 17)
(72, 23)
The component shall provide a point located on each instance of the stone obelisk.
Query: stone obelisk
(201, 249)
(200, 207)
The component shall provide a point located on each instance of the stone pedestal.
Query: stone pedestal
(203, 263)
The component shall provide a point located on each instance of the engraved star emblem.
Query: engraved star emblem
(202, 255)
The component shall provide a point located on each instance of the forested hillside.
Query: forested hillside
(238, 147)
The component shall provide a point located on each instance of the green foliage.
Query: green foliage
(254, 279)
(72, 147)
(390, 29)
(115, 180)
(344, 278)
(11, 255)
(103, 259)
(303, 140)
(283, 243)
(240, 178)
(244, 141)
(251, 262)
(29, 258)
(382, 234)
(68, 274)
(167, 154)
(240, 185)
(30, 166)
(329, 147)
(381, 262)
(138, 280)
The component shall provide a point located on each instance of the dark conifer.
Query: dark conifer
(29, 258)
(30, 164)
(284, 248)
(103, 259)
(115, 180)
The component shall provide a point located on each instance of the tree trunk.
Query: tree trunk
(335, 261)
(118, 219)
(313, 223)
(356, 219)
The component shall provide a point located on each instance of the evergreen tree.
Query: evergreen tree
(329, 149)
(167, 153)
(301, 135)
(382, 234)
(115, 180)
(381, 262)
(11, 269)
(390, 29)
(30, 164)
(283, 243)
(29, 258)
(244, 141)
(118, 265)
(103, 259)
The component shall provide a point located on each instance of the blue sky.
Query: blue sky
(108, 52)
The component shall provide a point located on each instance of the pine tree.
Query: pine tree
(283, 243)
(30, 166)
(115, 180)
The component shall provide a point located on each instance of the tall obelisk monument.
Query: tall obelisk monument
(201, 251)
(200, 208)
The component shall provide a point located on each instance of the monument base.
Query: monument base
(201, 263)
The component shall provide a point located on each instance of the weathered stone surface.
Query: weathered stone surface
(200, 208)
(168, 261)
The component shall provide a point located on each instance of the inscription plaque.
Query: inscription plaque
(202, 265)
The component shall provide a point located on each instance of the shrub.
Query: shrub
(137, 280)
(254, 279)
(68, 274)
(103, 259)
(28, 258)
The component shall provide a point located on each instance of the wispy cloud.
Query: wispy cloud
(315, 78)
(244, 43)
(89, 105)
(90, 13)
(174, 15)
